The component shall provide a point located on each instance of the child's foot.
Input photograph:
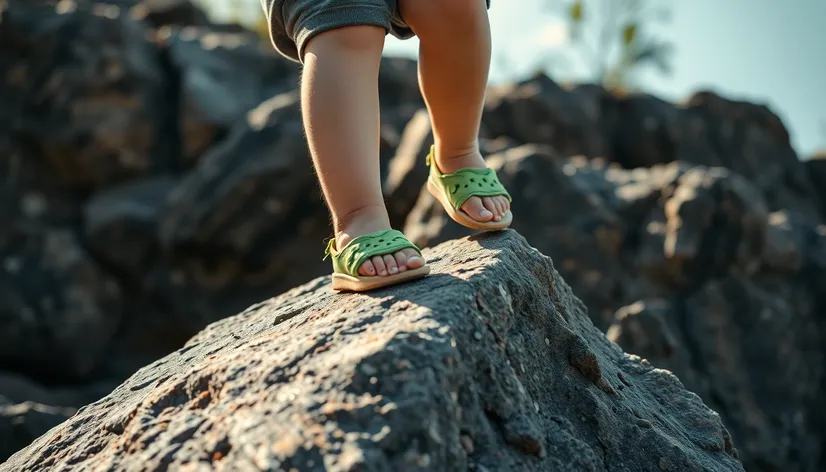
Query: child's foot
(482, 209)
(367, 220)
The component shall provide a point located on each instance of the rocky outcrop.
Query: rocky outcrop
(701, 271)
(154, 179)
(491, 363)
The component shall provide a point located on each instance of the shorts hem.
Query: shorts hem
(333, 18)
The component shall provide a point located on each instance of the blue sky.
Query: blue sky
(756, 50)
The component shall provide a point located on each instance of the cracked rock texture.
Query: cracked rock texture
(489, 364)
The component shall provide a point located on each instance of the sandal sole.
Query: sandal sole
(348, 283)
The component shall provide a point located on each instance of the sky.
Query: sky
(753, 50)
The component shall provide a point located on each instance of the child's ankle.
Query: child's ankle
(452, 159)
(449, 153)
(361, 221)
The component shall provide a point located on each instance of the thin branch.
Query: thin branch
(604, 42)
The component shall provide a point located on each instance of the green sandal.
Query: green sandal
(453, 190)
(347, 261)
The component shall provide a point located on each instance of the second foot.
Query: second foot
(481, 209)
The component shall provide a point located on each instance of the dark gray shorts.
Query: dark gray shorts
(294, 22)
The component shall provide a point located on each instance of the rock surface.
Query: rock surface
(489, 364)
(154, 179)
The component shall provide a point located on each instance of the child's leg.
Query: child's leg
(454, 60)
(340, 105)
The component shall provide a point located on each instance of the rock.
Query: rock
(715, 338)
(714, 222)
(640, 130)
(154, 179)
(31, 198)
(673, 226)
(262, 157)
(166, 12)
(58, 309)
(28, 410)
(22, 423)
(494, 348)
(407, 171)
(120, 224)
(95, 113)
(655, 242)
(240, 225)
(816, 171)
(760, 151)
(714, 131)
(16, 388)
(644, 326)
(399, 86)
(652, 131)
(156, 13)
(222, 75)
(539, 111)
(401, 113)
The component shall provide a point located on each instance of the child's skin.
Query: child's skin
(340, 104)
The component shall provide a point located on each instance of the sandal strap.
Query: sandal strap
(465, 183)
(350, 258)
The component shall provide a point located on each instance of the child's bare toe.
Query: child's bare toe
(378, 262)
(390, 263)
(490, 204)
(401, 260)
(493, 205)
(500, 212)
(500, 208)
(414, 260)
(367, 269)
(506, 205)
(476, 209)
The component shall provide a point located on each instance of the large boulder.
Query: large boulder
(221, 76)
(767, 387)
(121, 223)
(540, 111)
(489, 364)
(58, 309)
(640, 130)
(687, 267)
(86, 86)
(240, 225)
